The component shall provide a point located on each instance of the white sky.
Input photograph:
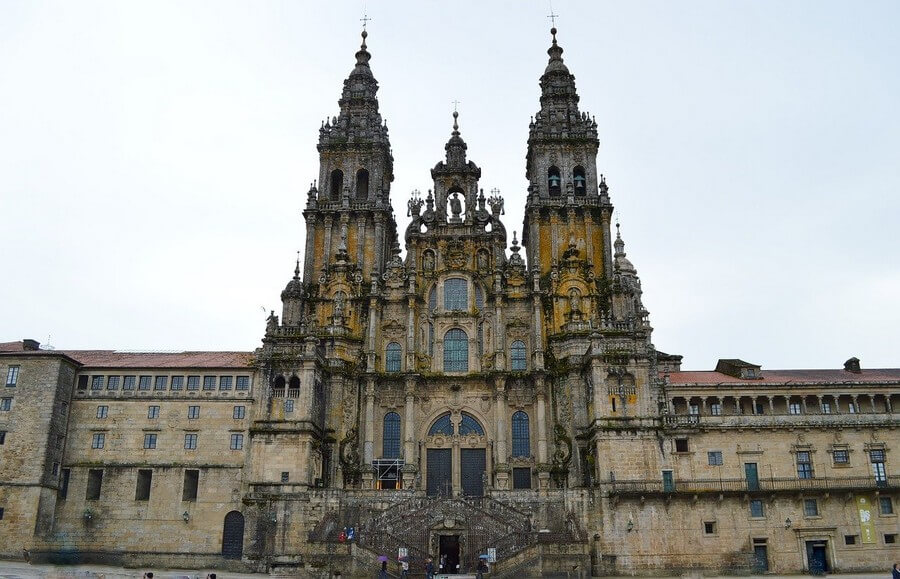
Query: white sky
(155, 157)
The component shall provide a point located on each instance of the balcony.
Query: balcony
(740, 486)
(779, 420)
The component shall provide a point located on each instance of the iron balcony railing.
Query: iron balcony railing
(736, 485)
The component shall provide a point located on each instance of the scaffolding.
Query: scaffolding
(387, 473)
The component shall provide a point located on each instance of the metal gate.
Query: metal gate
(439, 471)
(473, 464)
(233, 536)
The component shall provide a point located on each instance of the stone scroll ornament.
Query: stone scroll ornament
(349, 455)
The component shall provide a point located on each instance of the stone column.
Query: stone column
(855, 398)
(369, 440)
(607, 245)
(309, 258)
(360, 240)
(500, 407)
(455, 456)
(329, 222)
(378, 266)
(409, 443)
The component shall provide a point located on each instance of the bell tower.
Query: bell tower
(349, 215)
(567, 201)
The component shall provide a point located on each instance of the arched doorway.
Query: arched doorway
(233, 536)
(455, 456)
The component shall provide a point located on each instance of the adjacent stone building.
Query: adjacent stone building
(465, 400)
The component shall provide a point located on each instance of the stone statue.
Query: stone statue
(575, 304)
(428, 262)
(455, 206)
(482, 260)
(271, 322)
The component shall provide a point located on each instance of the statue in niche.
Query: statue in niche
(455, 206)
(339, 305)
(575, 305)
(482, 260)
(428, 262)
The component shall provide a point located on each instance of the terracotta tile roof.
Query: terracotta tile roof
(11, 346)
(116, 359)
(780, 377)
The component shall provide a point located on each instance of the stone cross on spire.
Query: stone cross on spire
(365, 19)
(552, 16)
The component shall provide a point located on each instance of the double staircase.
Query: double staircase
(479, 523)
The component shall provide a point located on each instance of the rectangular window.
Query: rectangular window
(826, 408)
(709, 527)
(209, 382)
(794, 408)
(128, 383)
(521, 478)
(851, 408)
(96, 382)
(811, 507)
(63, 491)
(191, 483)
(715, 409)
(161, 382)
(224, 382)
(804, 465)
(288, 405)
(102, 411)
(193, 383)
(1, 513)
(150, 441)
(841, 456)
(243, 383)
(890, 538)
(5, 404)
(456, 294)
(112, 383)
(153, 412)
(877, 458)
(55, 469)
(2, 437)
(82, 382)
(144, 479)
(715, 457)
(237, 441)
(694, 409)
(98, 440)
(849, 539)
(190, 441)
(757, 510)
(238, 412)
(144, 383)
(12, 376)
(886, 505)
(193, 412)
(681, 445)
(285, 476)
(94, 484)
(177, 383)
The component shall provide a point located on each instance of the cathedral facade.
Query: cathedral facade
(481, 396)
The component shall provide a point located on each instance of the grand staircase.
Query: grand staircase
(479, 522)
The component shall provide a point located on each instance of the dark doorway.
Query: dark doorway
(816, 554)
(233, 536)
(752, 476)
(473, 464)
(760, 558)
(448, 562)
(439, 469)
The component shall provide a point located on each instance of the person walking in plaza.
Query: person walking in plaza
(383, 574)
(429, 568)
(895, 571)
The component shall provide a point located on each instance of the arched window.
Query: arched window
(479, 297)
(517, 355)
(279, 383)
(432, 298)
(362, 184)
(294, 383)
(442, 426)
(521, 443)
(337, 184)
(390, 446)
(456, 294)
(392, 357)
(469, 425)
(456, 351)
(554, 182)
(580, 181)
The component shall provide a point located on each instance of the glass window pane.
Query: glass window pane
(456, 351)
(456, 294)
(391, 439)
(521, 444)
(392, 357)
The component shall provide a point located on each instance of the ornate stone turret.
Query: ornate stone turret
(455, 181)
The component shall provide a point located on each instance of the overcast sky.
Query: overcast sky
(155, 157)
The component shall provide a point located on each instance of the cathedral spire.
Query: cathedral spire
(456, 146)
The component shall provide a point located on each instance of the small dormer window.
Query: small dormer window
(554, 182)
(580, 181)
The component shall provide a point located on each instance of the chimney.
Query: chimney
(852, 365)
(29, 345)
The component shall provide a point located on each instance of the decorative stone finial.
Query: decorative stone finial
(455, 124)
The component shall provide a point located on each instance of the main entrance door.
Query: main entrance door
(473, 464)
(439, 467)
(233, 536)
(449, 555)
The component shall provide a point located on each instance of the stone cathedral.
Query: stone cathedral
(481, 397)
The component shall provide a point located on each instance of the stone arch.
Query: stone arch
(362, 184)
(336, 184)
